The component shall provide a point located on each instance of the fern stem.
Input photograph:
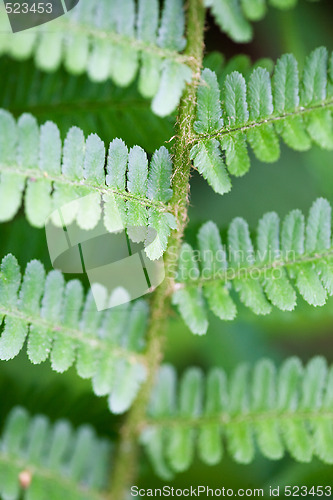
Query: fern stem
(127, 457)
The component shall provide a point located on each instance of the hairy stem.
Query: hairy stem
(127, 456)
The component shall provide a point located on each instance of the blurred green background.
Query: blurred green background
(293, 182)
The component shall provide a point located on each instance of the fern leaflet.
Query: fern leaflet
(63, 324)
(100, 37)
(260, 275)
(289, 409)
(39, 460)
(55, 176)
(258, 112)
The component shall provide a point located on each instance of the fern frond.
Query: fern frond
(42, 460)
(32, 160)
(62, 324)
(261, 275)
(234, 16)
(109, 39)
(258, 112)
(289, 409)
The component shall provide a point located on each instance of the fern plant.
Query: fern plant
(103, 138)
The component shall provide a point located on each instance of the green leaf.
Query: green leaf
(148, 11)
(11, 185)
(40, 338)
(63, 460)
(310, 286)
(286, 84)
(207, 159)
(268, 238)
(162, 404)
(240, 245)
(106, 345)
(107, 40)
(128, 380)
(130, 198)
(64, 346)
(117, 164)
(275, 281)
(189, 301)
(286, 100)
(322, 428)
(318, 228)
(14, 332)
(258, 110)
(313, 384)
(94, 159)
(171, 30)
(160, 172)
(263, 139)
(315, 77)
(28, 141)
(260, 94)
(181, 450)
(10, 279)
(73, 153)
(209, 440)
(115, 209)
(262, 408)
(213, 263)
(279, 290)
(296, 436)
(237, 157)
(209, 113)
(264, 400)
(293, 132)
(241, 253)
(292, 235)
(137, 171)
(254, 10)
(235, 100)
(174, 77)
(252, 296)
(240, 435)
(213, 256)
(50, 149)
(319, 126)
(265, 274)
(137, 185)
(325, 270)
(162, 223)
(264, 142)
